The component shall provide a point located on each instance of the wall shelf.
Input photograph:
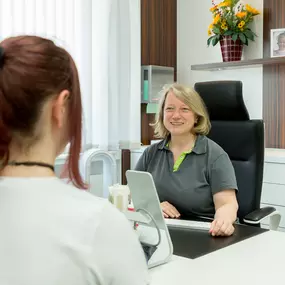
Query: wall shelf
(238, 64)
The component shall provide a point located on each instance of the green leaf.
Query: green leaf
(249, 34)
(242, 38)
(234, 2)
(228, 33)
(234, 37)
(215, 40)
(216, 30)
(209, 40)
(252, 32)
(229, 21)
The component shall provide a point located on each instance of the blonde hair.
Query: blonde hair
(193, 100)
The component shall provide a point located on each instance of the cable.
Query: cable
(155, 224)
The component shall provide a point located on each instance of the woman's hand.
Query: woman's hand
(169, 211)
(226, 213)
(221, 227)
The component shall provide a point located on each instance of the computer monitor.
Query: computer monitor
(153, 230)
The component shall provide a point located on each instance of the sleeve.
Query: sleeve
(119, 256)
(222, 175)
(143, 161)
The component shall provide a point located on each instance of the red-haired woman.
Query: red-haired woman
(52, 233)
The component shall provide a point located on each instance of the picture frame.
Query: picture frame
(277, 42)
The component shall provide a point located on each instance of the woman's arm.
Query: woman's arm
(117, 257)
(226, 205)
(224, 186)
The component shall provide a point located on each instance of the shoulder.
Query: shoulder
(150, 155)
(214, 147)
(79, 196)
(92, 214)
(73, 210)
(215, 151)
(153, 148)
(90, 207)
(68, 202)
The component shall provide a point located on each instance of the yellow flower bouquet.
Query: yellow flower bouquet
(231, 18)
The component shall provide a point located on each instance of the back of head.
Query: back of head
(32, 71)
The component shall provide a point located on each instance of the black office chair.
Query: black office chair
(243, 140)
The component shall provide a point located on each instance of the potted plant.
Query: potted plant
(230, 27)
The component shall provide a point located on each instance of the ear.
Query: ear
(59, 107)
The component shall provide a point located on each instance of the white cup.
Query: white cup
(119, 196)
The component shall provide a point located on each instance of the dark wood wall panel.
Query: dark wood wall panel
(147, 133)
(154, 31)
(144, 32)
(159, 32)
(158, 45)
(273, 79)
(126, 164)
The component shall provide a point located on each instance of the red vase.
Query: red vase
(231, 51)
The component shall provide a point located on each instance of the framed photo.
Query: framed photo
(277, 42)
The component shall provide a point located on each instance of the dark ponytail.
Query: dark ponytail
(5, 140)
(5, 135)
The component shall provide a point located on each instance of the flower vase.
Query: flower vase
(231, 50)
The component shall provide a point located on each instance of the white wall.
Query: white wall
(194, 18)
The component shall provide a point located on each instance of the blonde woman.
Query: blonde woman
(193, 175)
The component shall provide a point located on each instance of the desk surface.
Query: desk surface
(193, 243)
(257, 260)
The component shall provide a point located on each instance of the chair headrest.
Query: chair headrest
(223, 100)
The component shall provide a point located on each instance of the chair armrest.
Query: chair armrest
(256, 216)
(259, 215)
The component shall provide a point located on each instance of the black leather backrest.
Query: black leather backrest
(223, 99)
(243, 141)
(240, 137)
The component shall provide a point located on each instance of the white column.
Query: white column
(100, 83)
(6, 18)
(40, 18)
(135, 73)
(30, 17)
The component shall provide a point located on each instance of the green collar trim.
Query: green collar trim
(180, 159)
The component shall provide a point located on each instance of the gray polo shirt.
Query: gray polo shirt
(204, 171)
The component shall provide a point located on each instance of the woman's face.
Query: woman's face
(281, 43)
(178, 118)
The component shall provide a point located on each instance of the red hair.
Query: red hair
(33, 70)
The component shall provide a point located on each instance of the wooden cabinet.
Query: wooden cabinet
(158, 45)
(158, 32)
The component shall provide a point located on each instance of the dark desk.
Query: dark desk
(193, 243)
